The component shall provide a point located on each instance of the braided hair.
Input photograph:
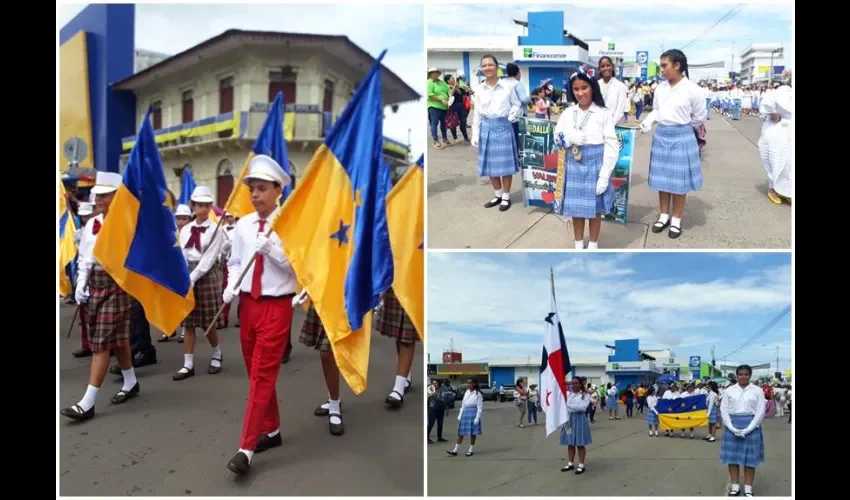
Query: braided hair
(677, 56)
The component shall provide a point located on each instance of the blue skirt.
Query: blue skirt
(651, 417)
(674, 165)
(497, 151)
(466, 426)
(747, 451)
(579, 431)
(580, 199)
(712, 415)
(611, 404)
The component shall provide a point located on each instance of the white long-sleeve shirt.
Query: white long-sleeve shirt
(739, 400)
(683, 104)
(498, 101)
(672, 395)
(278, 278)
(85, 251)
(712, 400)
(651, 403)
(598, 129)
(616, 101)
(210, 248)
(472, 399)
(577, 402)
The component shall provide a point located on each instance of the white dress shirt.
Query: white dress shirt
(739, 400)
(614, 95)
(651, 403)
(683, 104)
(498, 101)
(85, 252)
(472, 399)
(210, 249)
(712, 400)
(598, 129)
(577, 402)
(228, 241)
(672, 395)
(278, 278)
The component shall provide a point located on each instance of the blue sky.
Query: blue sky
(170, 29)
(493, 304)
(647, 24)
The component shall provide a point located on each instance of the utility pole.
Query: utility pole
(777, 347)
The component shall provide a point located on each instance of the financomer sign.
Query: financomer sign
(548, 53)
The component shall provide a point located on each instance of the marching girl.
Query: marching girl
(391, 320)
(691, 391)
(85, 211)
(227, 227)
(575, 434)
(469, 417)
(611, 403)
(742, 409)
(674, 165)
(182, 216)
(109, 309)
(672, 393)
(313, 335)
(652, 413)
(496, 106)
(201, 244)
(586, 131)
(265, 297)
(713, 396)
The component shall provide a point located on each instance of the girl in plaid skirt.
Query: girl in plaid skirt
(202, 241)
(182, 216)
(469, 417)
(392, 321)
(586, 132)
(742, 409)
(313, 335)
(109, 309)
(674, 165)
(496, 107)
(575, 434)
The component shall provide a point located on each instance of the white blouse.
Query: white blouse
(498, 101)
(85, 251)
(577, 402)
(672, 395)
(683, 104)
(472, 399)
(616, 102)
(598, 129)
(652, 402)
(739, 400)
(712, 400)
(210, 249)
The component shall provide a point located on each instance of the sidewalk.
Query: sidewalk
(732, 210)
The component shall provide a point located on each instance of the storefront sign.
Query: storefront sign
(630, 366)
(672, 363)
(550, 53)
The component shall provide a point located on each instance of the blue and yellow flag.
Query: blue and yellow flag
(67, 245)
(187, 186)
(683, 413)
(137, 244)
(334, 229)
(406, 221)
(270, 142)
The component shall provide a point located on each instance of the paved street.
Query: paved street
(731, 211)
(622, 461)
(176, 438)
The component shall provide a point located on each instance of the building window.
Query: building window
(224, 181)
(225, 101)
(156, 116)
(188, 106)
(283, 80)
(328, 100)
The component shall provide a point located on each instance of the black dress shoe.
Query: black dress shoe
(181, 375)
(81, 353)
(115, 370)
(144, 359)
(336, 429)
(264, 442)
(123, 396)
(239, 464)
(77, 413)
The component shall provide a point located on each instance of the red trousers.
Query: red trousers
(84, 325)
(225, 313)
(264, 332)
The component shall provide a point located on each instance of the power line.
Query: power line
(723, 19)
(761, 332)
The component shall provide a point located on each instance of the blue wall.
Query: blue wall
(502, 375)
(110, 37)
(625, 350)
(547, 28)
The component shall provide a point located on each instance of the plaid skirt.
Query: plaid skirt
(497, 152)
(392, 321)
(467, 426)
(747, 451)
(207, 299)
(674, 164)
(577, 432)
(313, 332)
(713, 416)
(580, 198)
(109, 310)
(651, 417)
(612, 404)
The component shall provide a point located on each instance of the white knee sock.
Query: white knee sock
(663, 218)
(274, 433)
(129, 379)
(593, 245)
(455, 448)
(216, 356)
(677, 221)
(89, 398)
(188, 363)
(579, 244)
(498, 192)
(400, 382)
(470, 449)
(333, 407)
(748, 489)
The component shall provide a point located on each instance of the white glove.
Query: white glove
(81, 296)
(578, 138)
(379, 306)
(78, 234)
(193, 278)
(512, 117)
(227, 246)
(645, 126)
(459, 414)
(601, 185)
(475, 422)
(300, 299)
(474, 142)
(263, 245)
(228, 295)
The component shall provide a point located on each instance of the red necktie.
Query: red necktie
(195, 237)
(257, 279)
(95, 228)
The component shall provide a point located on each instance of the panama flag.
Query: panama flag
(554, 367)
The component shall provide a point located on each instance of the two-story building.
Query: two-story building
(758, 60)
(210, 101)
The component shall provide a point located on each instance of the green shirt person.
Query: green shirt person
(438, 90)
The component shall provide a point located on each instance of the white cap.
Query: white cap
(85, 208)
(202, 194)
(106, 182)
(91, 197)
(183, 210)
(264, 168)
(433, 69)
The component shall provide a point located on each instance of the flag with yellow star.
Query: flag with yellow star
(334, 229)
(683, 413)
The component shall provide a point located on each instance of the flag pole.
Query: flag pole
(552, 279)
